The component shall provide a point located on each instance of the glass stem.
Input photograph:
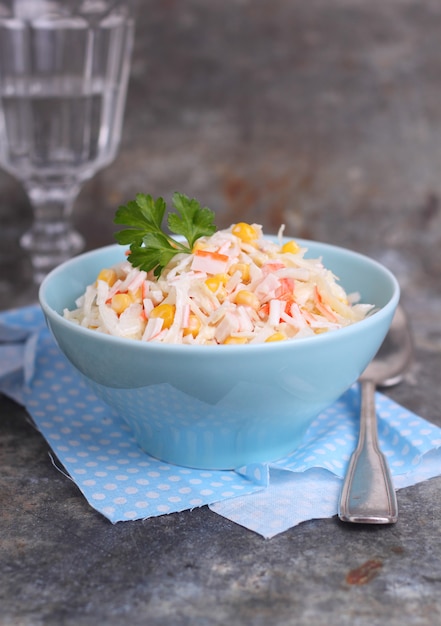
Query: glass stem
(51, 238)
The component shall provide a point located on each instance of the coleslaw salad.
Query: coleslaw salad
(236, 287)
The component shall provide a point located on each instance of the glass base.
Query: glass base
(48, 250)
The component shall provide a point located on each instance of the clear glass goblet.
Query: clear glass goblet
(64, 68)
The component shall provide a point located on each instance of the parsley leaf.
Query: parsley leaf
(150, 247)
(191, 220)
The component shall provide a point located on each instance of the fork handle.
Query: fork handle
(368, 494)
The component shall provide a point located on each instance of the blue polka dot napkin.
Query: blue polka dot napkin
(96, 448)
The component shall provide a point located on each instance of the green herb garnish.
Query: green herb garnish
(150, 247)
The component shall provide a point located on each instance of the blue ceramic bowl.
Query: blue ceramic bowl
(221, 407)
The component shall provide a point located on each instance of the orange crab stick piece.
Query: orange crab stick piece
(209, 262)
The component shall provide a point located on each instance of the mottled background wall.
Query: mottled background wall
(325, 116)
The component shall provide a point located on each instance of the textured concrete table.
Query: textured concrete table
(325, 117)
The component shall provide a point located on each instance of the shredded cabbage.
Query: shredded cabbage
(230, 290)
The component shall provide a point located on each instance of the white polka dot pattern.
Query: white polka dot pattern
(99, 452)
(118, 479)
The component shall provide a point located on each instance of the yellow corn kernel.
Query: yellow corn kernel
(199, 245)
(194, 325)
(291, 246)
(278, 336)
(217, 280)
(243, 268)
(247, 298)
(108, 276)
(320, 331)
(166, 312)
(245, 232)
(235, 340)
(120, 302)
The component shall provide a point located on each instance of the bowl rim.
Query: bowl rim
(322, 339)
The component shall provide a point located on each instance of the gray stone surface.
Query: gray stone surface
(323, 116)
